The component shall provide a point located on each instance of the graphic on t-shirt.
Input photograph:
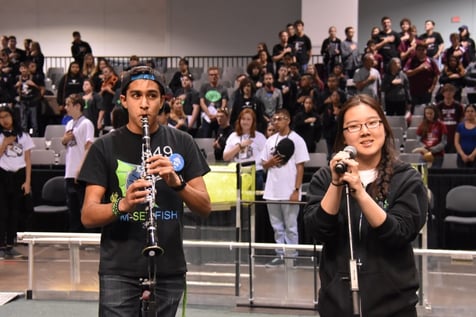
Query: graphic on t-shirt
(126, 174)
(213, 95)
(14, 150)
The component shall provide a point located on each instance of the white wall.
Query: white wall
(318, 16)
(144, 27)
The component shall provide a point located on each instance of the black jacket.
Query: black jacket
(388, 278)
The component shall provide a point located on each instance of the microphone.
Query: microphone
(341, 167)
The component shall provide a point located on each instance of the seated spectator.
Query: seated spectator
(453, 73)
(177, 117)
(307, 124)
(465, 138)
(224, 131)
(396, 89)
(184, 70)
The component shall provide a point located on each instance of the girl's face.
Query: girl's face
(375, 31)
(367, 141)
(6, 120)
(308, 104)
(177, 106)
(470, 113)
(429, 114)
(246, 122)
(102, 64)
(74, 69)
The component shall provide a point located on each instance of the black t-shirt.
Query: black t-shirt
(432, 47)
(113, 162)
(389, 50)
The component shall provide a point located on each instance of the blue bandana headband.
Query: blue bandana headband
(143, 76)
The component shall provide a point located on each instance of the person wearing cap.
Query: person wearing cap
(467, 42)
(116, 193)
(191, 102)
(79, 48)
(283, 157)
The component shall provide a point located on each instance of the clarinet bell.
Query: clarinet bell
(152, 250)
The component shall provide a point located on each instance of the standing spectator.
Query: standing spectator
(465, 138)
(374, 34)
(7, 84)
(247, 99)
(422, 72)
(288, 89)
(224, 131)
(29, 92)
(457, 50)
(451, 113)
(316, 79)
(283, 157)
(330, 50)
(396, 89)
(350, 53)
(280, 49)
(115, 194)
(15, 178)
(89, 66)
(212, 97)
(255, 73)
(330, 113)
(433, 40)
(307, 125)
(367, 78)
(405, 27)
(271, 98)
(70, 83)
(378, 59)
(78, 137)
(408, 45)
(261, 47)
(110, 84)
(98, 76)
(453, 73)
(36, 55)
(324, 97)
(93, 107)
(184, 70)
(467, 42)
(388, 207)
(291, 31)
(246, 144)
(433, 135)
(191, 103)
(15, 55)
(79, 49)
(265, 62)
(302, 46)
(388, 43)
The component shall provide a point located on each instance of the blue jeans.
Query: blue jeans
(119, 296)
(283, 219)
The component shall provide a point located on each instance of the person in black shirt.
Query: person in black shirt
(224, 131)
(79, 48)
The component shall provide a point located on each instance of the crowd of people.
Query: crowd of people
(280, 108)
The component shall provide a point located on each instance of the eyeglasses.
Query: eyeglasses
(278, 118)
(354, 128)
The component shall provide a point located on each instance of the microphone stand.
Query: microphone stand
(353, 275)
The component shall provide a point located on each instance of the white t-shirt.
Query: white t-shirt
(83, 131)
(251, 152)
(281, 181)
(13, 158)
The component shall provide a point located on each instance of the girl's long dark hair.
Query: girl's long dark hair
(379, 189)
(17, 130)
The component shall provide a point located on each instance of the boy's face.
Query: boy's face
(143, 98)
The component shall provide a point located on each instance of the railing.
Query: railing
(163, 63)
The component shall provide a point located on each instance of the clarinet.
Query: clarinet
(152, 247)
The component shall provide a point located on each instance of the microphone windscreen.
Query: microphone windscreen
(351, 150)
